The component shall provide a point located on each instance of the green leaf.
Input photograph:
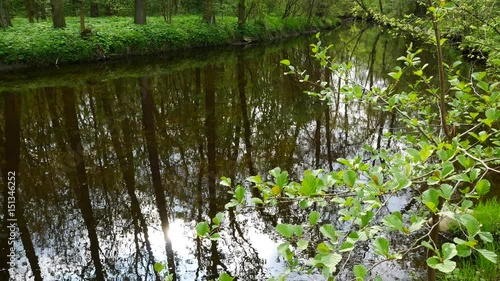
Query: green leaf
(489, 255)
(225, 181)
(396, 75)
(302, 244)
(403, 181)
(254, 179)
(463, 251)
(285, 230)
(471, 224)
(446, 266)
(346, 247)
(282, 179)
(447, 169)
(417, 224)
(309, 185)
(394, 221)
(449, 251)
(239, 193)
(285, 62)
(231, 204)
(314, 217)
(283, 248)
(331, 260)
(328, 231)
(486, 236)
(219, 217)
(446, 191)
(349, 177)
(492, 114)
(225, 277)
(414, 153)
(202, 228)
(425, 153)
(360, 272)
(257, 201)
(428, 245)
(430, 198)
(215, 236)
(305, 203)
(483, 187)
(465, 161)
(159, 267)
(381, 247)
(461, 177)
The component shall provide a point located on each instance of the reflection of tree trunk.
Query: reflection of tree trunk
(328, 138)
(125, 160)
(154, 162)
(391, 128)
(201, 170)
(11, 175)
(317, 142)
(82, 189)
(244, 112)
(210, 127)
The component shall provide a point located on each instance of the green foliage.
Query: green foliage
(451, 170)
(39, 43)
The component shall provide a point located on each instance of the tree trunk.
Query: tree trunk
(241, 14)
(209, 12)
(94, 9)
(82, 17)
(4, 14)
(30, 8)
(140, 12)
(58, 17)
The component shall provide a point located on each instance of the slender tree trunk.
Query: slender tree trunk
(140, 12)
(240, 69)
(82, 17)
(442, 80)
(4, 15)
(94, 9)
(30, 8)
(209, 12)
(241, 14)
(58, 17)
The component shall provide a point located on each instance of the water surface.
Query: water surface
(117, 161)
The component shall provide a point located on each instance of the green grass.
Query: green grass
(40, 43)
(477, 267)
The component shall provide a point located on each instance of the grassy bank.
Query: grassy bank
(39, 43)
(476, 267)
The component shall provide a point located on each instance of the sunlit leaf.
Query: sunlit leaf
(202, 228)
(489, 255)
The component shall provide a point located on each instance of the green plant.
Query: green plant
(451, 142)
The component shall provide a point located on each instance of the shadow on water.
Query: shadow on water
(115, 164)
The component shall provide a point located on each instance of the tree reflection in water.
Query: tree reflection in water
(117, 169)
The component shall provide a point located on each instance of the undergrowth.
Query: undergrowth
(40, 43)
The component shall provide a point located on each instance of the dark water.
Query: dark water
(116, 162)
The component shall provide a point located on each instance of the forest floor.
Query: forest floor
(107, 37)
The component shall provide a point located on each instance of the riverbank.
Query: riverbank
(110, 37)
